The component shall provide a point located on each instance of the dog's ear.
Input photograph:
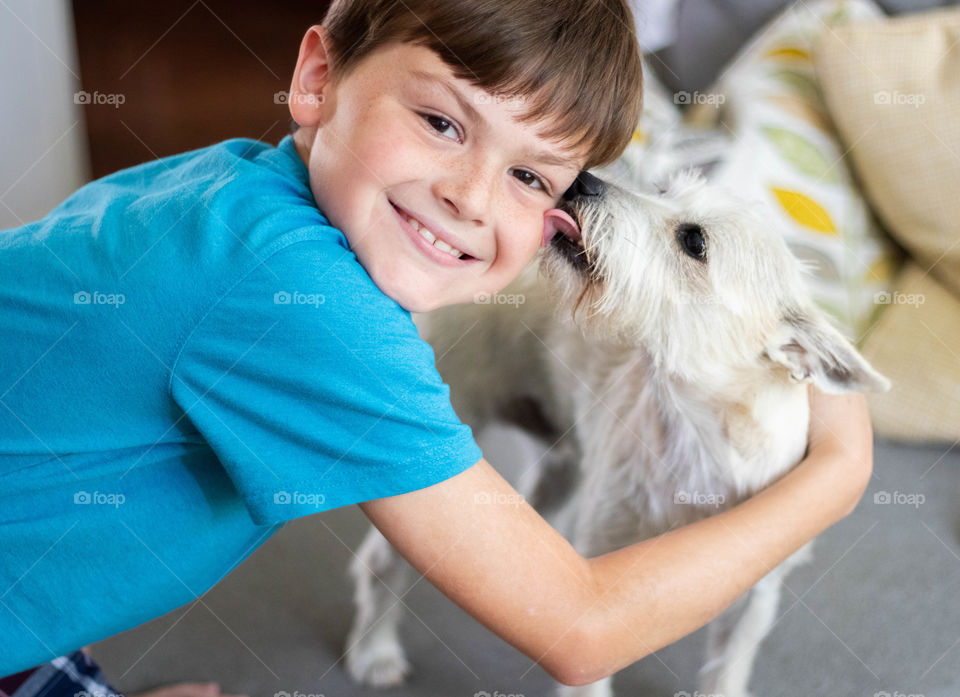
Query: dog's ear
(812, 350)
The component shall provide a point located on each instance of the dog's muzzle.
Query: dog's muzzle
(584, 185)
(585, 190)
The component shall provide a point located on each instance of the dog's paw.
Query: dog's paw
(597, 689)
(378, 666)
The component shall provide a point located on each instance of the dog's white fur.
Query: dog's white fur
(668, 388)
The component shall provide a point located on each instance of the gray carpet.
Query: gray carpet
(876, 612)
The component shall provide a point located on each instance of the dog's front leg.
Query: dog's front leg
(374, 653)
(601, 688)
(734, 637)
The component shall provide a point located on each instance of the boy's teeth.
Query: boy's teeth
(432, 239)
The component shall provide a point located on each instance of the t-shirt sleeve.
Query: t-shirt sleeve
(314, 389)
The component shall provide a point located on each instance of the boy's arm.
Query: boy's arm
(583, 619)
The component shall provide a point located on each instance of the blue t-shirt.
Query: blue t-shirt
(191, 356)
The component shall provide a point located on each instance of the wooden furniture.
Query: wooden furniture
(190, 72)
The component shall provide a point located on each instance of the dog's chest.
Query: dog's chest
(669, 457)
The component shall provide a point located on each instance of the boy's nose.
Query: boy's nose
(584, 185)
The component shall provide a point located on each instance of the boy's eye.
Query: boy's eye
(530, 178)
(441, 125)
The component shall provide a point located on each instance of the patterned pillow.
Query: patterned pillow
(763, 130)
(897, 82)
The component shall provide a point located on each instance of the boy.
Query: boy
(170, 422)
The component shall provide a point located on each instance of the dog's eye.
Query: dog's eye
(692, 240)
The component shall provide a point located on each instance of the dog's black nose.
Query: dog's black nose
(584, 185)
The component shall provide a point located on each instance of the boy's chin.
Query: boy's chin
(421, 303)
(416, 292)
(414, 302)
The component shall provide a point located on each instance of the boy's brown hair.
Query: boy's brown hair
(575, 63)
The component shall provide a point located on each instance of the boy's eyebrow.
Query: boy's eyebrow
(545, 156)
(426, 76)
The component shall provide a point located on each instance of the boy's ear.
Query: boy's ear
(311, 77)
(813, 351)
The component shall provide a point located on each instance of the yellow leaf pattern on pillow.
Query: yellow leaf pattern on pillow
(788, 52)
(805, 211)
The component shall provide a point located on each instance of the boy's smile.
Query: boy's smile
(439, 190)
(435, 241)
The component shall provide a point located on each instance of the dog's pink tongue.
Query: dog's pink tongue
(556, 220)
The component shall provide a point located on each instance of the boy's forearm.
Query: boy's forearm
(654, 592)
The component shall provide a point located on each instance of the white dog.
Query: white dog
(670, 385)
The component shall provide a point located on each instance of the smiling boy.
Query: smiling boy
(204, 347)
(409, 139)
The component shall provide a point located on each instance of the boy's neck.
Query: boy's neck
(302, 140)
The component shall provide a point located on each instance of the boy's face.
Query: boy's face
(390, 141)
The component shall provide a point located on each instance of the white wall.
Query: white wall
(43, 146)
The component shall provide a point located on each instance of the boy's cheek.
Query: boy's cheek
(515, 259)
(390, 147)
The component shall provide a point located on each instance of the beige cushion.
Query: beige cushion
(893, 91)
(916, 343)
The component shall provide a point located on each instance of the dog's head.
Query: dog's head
(702, 280)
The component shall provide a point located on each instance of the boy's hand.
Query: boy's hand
(840, 428)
